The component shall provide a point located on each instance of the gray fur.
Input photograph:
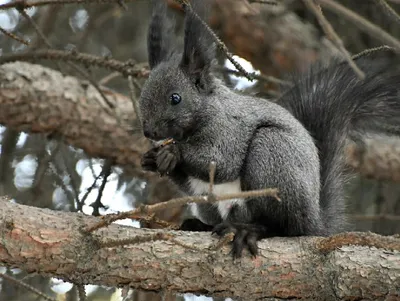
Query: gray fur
(263, 144)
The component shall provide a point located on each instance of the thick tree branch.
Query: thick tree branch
(40, 100)
(52, 243)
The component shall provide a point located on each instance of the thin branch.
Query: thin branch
(81, 292)
(389, 10)
(35, 26)
(13, 36)
(106, 173)
(187, 8)
(94, 184)
(211, 198)
(369, 51)
(26, 286)
(133, 97)
(44, 165)
(68, 163)
(151, 220)
(35, 3)
(269, 2)
(260, 77)
(125, 68)
(108, 219)
(362, 23)
(388, 217)
(58, 172)
(212, 177)
(76, 68)
(332, 35)
(108, 78)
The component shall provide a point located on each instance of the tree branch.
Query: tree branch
(40, 100)
(52, 243)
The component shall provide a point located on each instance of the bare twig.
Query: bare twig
(76, 68)
(34, 3)
(260, 77)
(81, 292)
(108, 219)
(389, 10)
(108, 77)
(134, 99)
(106, 173)
(362, 23)
(387, 217)
(212, 177)
(210, 198)
(187, 8)
(26, 286)
(82, 202)
(152, 219)
(332, 35)
(125, 68)
(372, 50)
(13, 36)
(68, 163)
(44, 163)
(58, 171)
(35, 26)
(269, 2)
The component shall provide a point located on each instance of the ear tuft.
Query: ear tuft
(158, 40)
(198, 52)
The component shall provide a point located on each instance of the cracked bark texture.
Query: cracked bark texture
(40, 100)
(37, 99)
(52, 244)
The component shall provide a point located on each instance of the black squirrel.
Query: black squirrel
(295, 145)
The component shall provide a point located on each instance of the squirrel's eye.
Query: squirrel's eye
(175, 99)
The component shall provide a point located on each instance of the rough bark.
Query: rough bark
(52, 244)
(40, 100)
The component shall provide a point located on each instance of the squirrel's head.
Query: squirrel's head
(174, 95)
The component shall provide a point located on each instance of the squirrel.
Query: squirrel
(295, 144)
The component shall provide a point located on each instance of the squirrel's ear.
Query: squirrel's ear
(198, 52)
(158, 40)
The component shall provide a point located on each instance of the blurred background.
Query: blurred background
(271, 40)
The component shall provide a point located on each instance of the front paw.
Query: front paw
(167, 158)
(149, 160)
(246, 235)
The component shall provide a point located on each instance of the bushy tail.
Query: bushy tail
(330, 102)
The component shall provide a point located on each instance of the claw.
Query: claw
(246, 235)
